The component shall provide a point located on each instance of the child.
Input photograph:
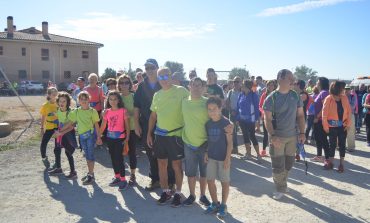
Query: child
(67, 138)
(87, 120)
(48, 122)
(118, 128)
(220, 145)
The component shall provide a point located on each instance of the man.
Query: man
(351, 132)
(283, 109)
(167, 121)
(212, 88)
(192, 74)
(360, 93)
(231, 105)
(80, 87)
(142, 102)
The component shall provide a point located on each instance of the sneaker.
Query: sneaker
(115, 181)
(89, 180)
(277, 195)
(247, 157)
(222, 211)
(54, 166)
(152, 186)
(84, 178)
(351, 150)
(46, 162)
(259, 159)
(263, 153)
(328, 165)
(340, 168)
(72, 175)
(189, 201)
(213, 208)
(204, 201)
(55, 171)
(132, 181)
(176, 201)
(297, 158)
(317, 159)
(164, 198)
(123, 185)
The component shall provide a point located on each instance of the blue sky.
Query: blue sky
(330, 36)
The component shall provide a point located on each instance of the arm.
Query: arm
(103, 125)
(325, 113)
(66, 128)
(98, 133)
(270, 129)
(229, 140)
(127, 127)
(152, 121)
(138, 129)
(42, 124)
(301, 125)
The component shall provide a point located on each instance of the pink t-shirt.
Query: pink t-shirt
(116, 122)
(97, 97)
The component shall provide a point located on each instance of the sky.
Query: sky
(330, 36)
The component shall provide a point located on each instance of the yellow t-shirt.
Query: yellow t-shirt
(48, 110)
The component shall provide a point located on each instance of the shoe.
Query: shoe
(259, 159)
(189, 201)
(297, 158)
(247, 157)
(222, 211)
(277, 195)
(164, 198)
(340, 168)
(46, 162)
(132, 181)
(176, 201)
(72, 175)
(317, 159)
(89, 180)
(204, 201)
(115, 181)
(351, 150)
(328, 165)
(123, 185)
(84, 178)
(55, 171)
(54, 166)
(213, 208)
(287, 190)
(263, 153)
(152, 186)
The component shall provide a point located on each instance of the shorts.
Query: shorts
(168, 147)
(215, 170)
(87, 145)
(193, 160)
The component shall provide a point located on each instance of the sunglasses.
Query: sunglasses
(125, 83)
(164, 77)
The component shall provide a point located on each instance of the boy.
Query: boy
(220, 145)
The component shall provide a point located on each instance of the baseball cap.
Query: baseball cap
(151, 62)
(81, 79)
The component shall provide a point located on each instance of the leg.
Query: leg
(212, 190)
(333, 138)
(153, 174)
(351, 135)
(163, 177)
(177, 167)
(44, 142)
(57, 153)
(278, 166)
(132, 151)
(367, 120)
(70, 161)
(245, 133)
(191, 166)
(342, 143)
(225, 191)
(265, 137)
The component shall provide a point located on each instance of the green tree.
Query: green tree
(108, 73)
(304, 73)
(241, 72)
(175, 67)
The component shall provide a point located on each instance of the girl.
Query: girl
(96, 93)
(67, 139)
(125, 87)
(87, 120)
(48, 122)
(115, 116)
(248, 115)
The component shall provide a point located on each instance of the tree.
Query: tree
(241, 72)
(175, 67)
(304, 73)
(108, 73)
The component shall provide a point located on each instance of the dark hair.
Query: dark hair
(198, 79)
(121, 79)
(248, 83)
(214, 100)
(282, 73)
(117, 94)
(65, 95)
(301, 84)
(111, 81)
(224, 86)
(267, 84)
(324, 83)
(209, 70)
(259, 78)
(337, 87)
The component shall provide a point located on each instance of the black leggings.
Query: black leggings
(321, 138)
(58, 152)
(367, 122)
(115, 147)
(248, 130)
(45, 140)
(132, 150)
(336, 134)
(265, 137)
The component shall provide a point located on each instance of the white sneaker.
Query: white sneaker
(277, 195)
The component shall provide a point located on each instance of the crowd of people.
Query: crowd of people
(197, 125)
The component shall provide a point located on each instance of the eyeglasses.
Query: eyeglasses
(124, 83)
(164, 77)
(150, 68)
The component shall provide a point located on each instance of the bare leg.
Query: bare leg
(225, 191)
(177, 167)
(163, 178)
(90, 166)
(212, 190)
(191, 182)
(203, 185)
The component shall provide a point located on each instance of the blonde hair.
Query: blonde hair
(83, 94)
(93, 75)
(49, 91)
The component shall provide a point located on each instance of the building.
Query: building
(31, 54)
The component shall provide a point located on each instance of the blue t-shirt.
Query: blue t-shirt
(217, 143)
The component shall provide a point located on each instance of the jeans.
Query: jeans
(87, 145)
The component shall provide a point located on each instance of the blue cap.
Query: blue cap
(151, 62)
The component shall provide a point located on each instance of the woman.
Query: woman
(336, 120)
(311, 117)
(111, 84)
(271, 86)
(125, 88)
(247, 116)
(96, 93)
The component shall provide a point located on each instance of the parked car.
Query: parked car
(34, 86)
(361, 80)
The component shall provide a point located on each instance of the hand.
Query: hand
(229, 129)
(276, 142)
(57, 133)
(206, 158)
(99, 142)
(149, 140)
(326, 130)
(227, 163)
(301, 138)
(138, 130)
(127, 138)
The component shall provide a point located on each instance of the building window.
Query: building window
(67, 74)
(1, 50)
(23, 51)
(85, 54)
(65, 53)
(22, 74)
(45, 54)
(45, 74)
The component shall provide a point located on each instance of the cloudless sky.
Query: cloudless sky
(330, 36)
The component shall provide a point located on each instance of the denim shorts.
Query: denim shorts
(194, 159)
(88, 144)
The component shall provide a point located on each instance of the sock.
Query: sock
(117, 175)
(123, 178)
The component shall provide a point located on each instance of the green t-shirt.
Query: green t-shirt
(167, 105)
(85, 119)
(195, 117)
(62, 116)
(128, 101)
